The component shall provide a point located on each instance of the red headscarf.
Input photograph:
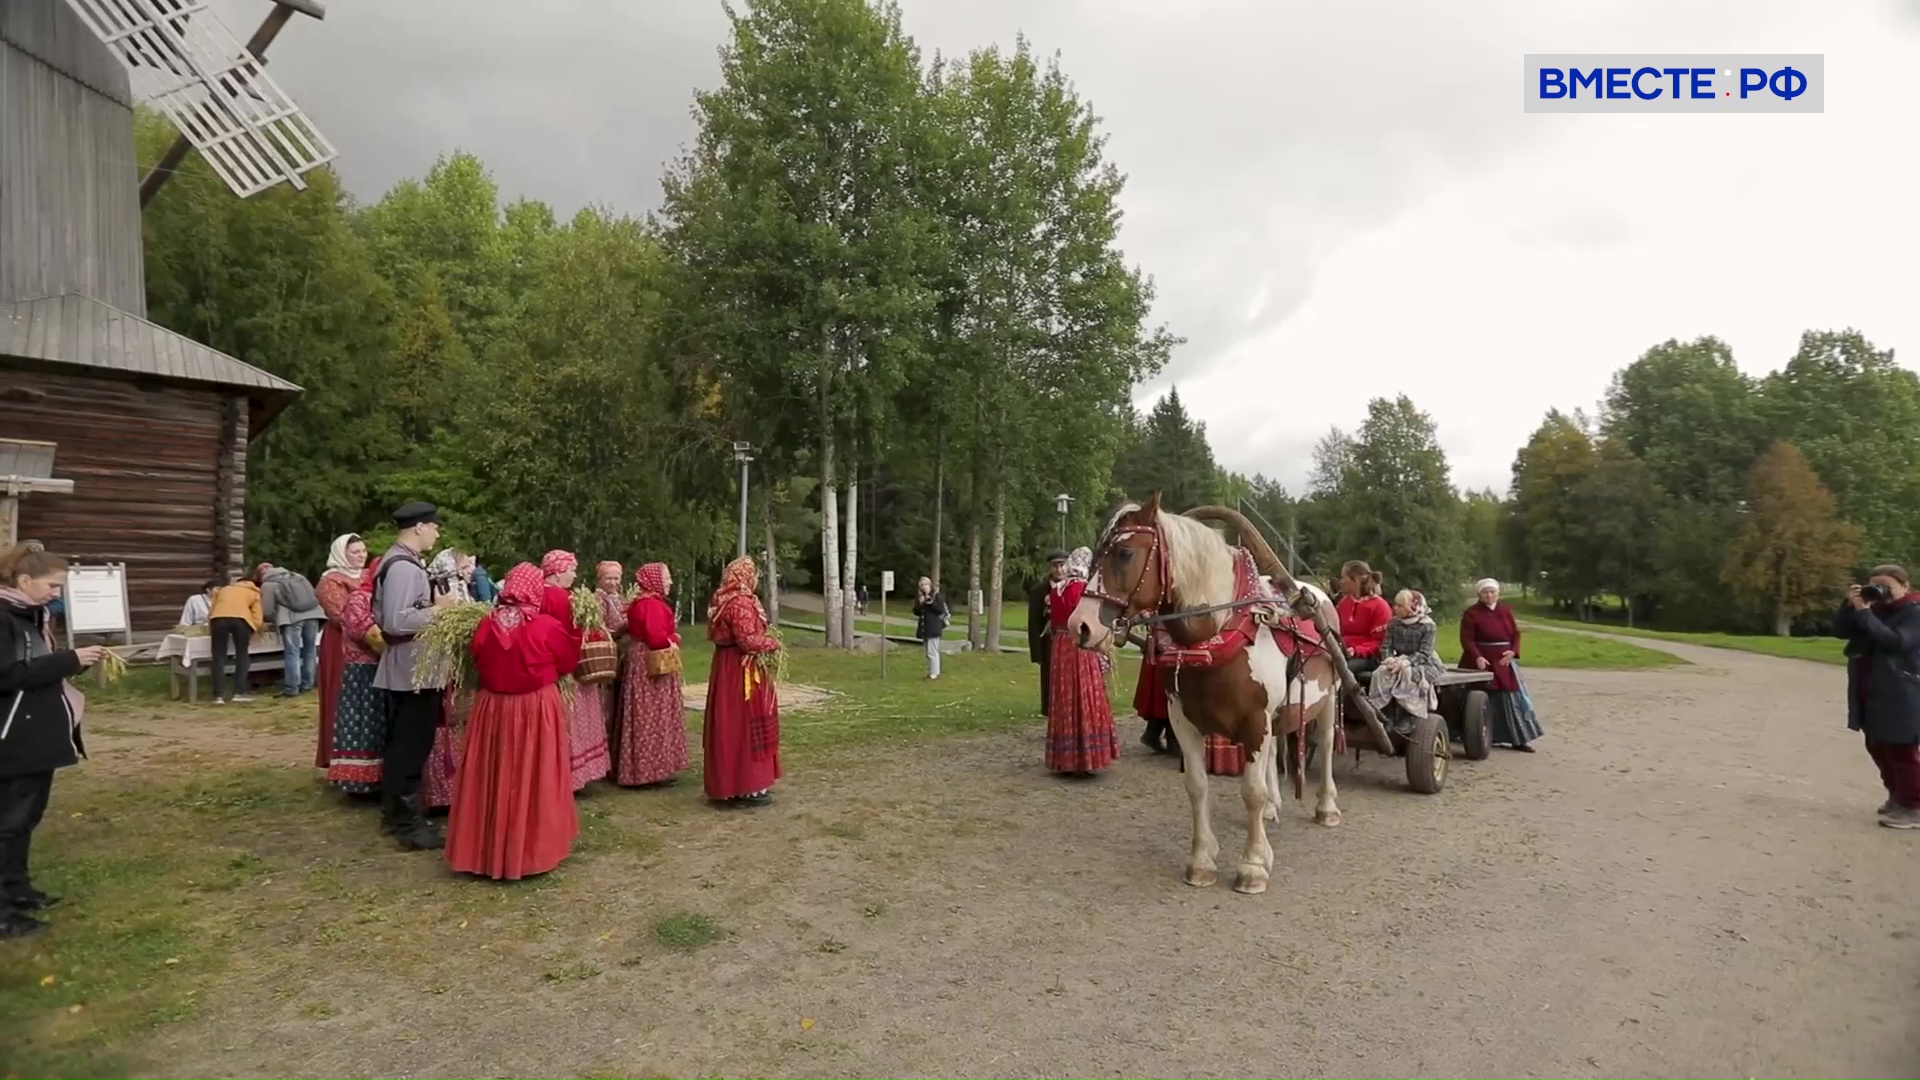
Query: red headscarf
(558, 562)
(520, 595)
(653, 580)
(738, 580)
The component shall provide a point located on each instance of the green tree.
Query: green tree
(1398, 507)
(1546, 474)
(1692, 416)
(802, 240)
(1793, 552)
(1855, 413)
(1170, 455)
(282, 282)
(1613, 511)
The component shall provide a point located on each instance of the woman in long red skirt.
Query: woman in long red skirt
(742, 729)
(346, 563)
(588, 759)
(513, 813)
(1081, 739)
(653, 715)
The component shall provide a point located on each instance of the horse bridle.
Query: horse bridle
(1158, 555)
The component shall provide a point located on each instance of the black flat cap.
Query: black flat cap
(1057, 556)
(416, 513)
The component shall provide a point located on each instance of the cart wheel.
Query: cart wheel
(1476, 727)
(1427, 754)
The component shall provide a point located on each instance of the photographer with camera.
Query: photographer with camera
(1881, 624)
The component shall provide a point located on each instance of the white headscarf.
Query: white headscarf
(1483, 585)
(337, 556)
(1080, 563)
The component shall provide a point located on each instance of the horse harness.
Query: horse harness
(1253, 610)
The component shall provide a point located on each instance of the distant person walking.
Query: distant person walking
(931, 616)
(1881, 625)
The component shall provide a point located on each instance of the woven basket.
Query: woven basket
(664, 661)
(599, 661)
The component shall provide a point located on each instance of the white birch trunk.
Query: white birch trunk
(829, 538)
(975, 632)
(996, 579)
(851, 579)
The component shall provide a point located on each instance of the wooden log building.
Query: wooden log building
(150, 426)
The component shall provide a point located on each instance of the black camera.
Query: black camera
(1875, 594)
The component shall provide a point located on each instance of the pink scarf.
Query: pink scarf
(76, 701)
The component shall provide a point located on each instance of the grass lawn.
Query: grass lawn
(198, 849)
(1820, 650)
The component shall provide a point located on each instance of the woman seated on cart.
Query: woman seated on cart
(1410, 666)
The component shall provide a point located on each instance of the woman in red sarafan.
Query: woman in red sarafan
(360, 715)
(653, 714)
(346, 561)
(513, 813)
(1081, 739)
(1364, 615)
(587, 724)
(742, 729)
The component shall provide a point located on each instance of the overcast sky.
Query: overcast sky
(1337, 201)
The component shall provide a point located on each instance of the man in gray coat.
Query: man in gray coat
(403, 604)
(288, 603)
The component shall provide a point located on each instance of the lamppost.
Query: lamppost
(1062, 502)
(743, 453)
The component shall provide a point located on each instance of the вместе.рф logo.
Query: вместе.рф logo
(1708, 82)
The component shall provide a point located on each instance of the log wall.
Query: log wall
(146, 461)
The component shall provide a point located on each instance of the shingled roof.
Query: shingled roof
(79, 331)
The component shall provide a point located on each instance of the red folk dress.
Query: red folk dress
(653, 713)
(334, 590)
(1490, 632)
(587, 759)
(1363, 623)
(513, 814)
(1080, 733)
(742, 728)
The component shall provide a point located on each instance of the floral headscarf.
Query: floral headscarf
(740, 578)
(1419, 613)
(558, 562)
(600, 571)
(520, 596)
(1080, 563)
(653, 580)
(337, 562)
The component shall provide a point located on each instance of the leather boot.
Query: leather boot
(392, 811)
(413, 831)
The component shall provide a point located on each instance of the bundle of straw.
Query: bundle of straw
(587, 612)
(774, 664)
(446, 646)
(113, 667)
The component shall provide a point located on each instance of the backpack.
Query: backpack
(296, 592)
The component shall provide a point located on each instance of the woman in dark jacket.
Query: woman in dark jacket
(39, 721)
(1882, 627)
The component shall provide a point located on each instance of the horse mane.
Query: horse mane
(1201, 562)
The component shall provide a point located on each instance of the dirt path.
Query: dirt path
(1685, 880)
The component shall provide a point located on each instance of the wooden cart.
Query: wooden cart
(1427, 742)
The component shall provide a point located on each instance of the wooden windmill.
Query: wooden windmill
(151, 427)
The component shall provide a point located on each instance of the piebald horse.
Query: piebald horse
(1197, 596)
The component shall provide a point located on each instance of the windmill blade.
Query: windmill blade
(186, 63)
